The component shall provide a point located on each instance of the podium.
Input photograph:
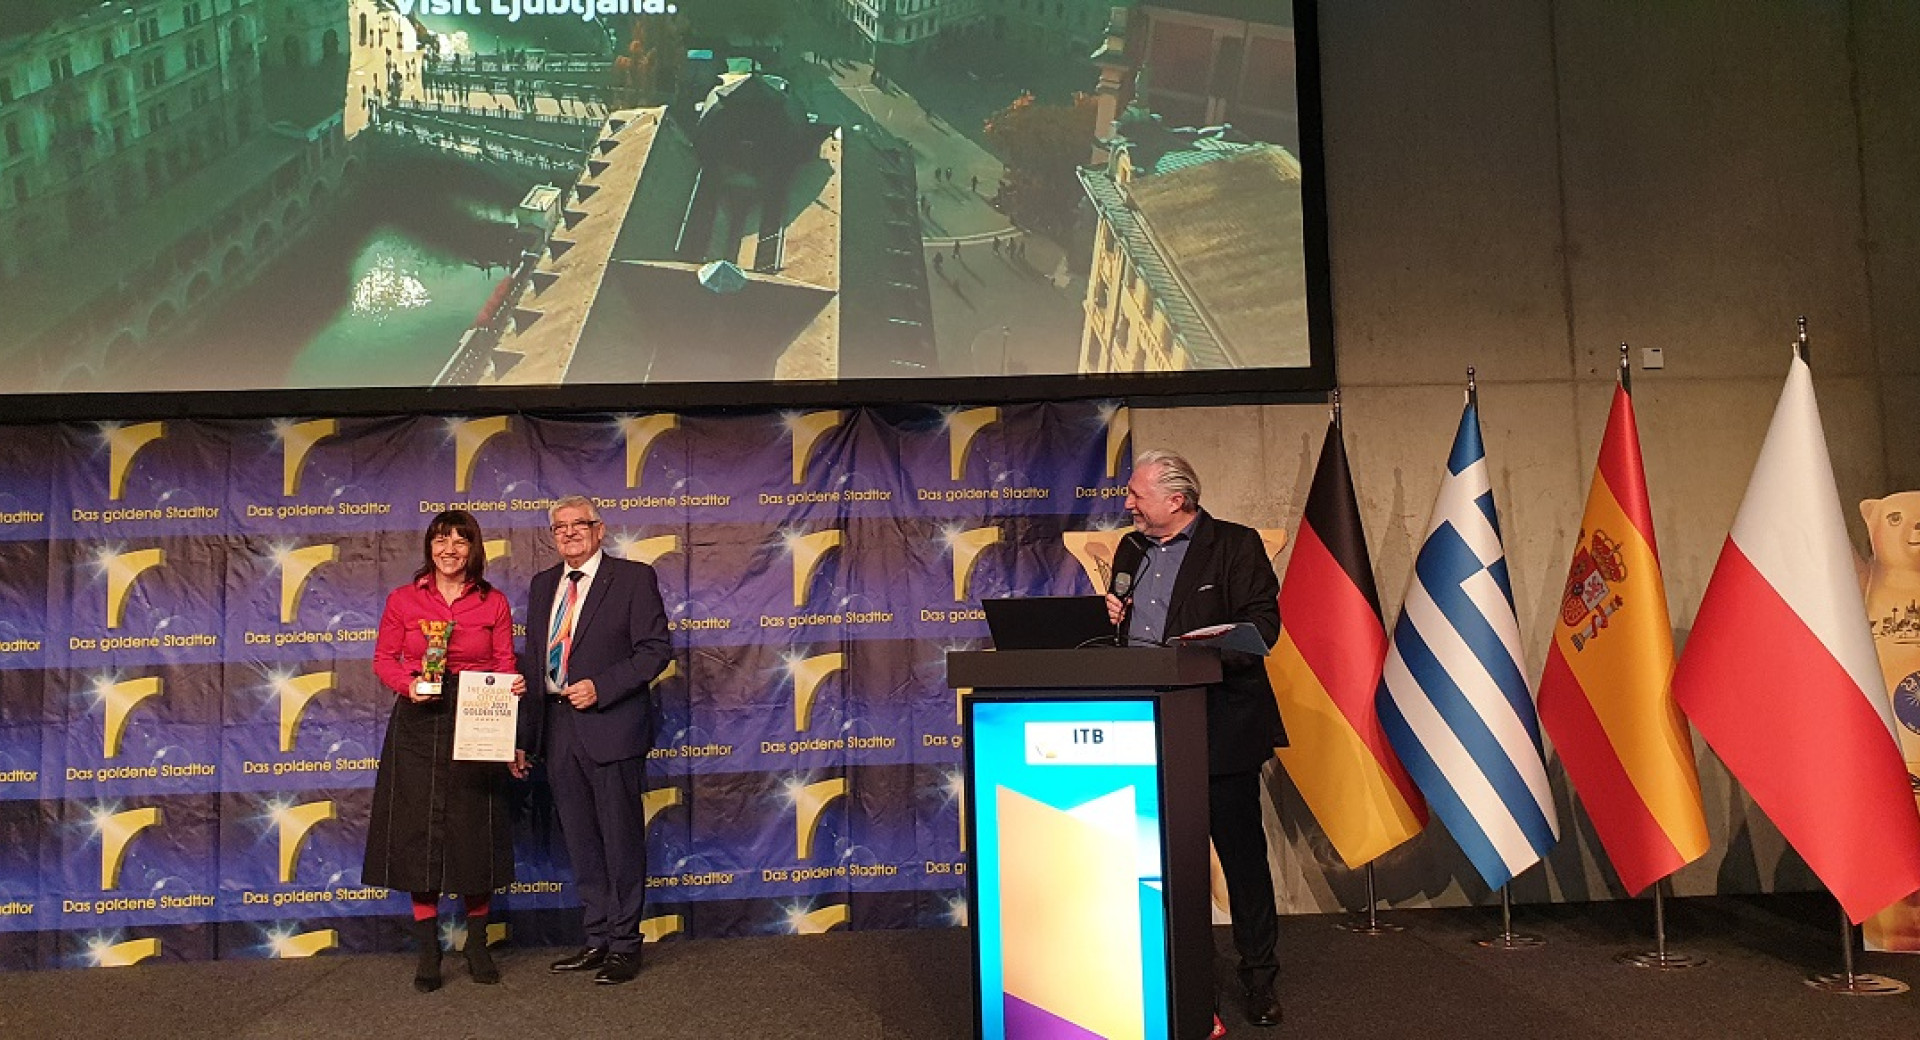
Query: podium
(1086, 840)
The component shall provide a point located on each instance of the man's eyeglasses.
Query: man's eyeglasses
(574, 526)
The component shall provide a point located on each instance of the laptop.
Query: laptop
(1048, 622)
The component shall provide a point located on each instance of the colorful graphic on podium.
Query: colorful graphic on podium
(1071, 917)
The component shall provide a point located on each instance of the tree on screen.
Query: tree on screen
(648, 69)
(1041, 145)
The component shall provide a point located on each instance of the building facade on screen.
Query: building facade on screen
(153, 155)
(1198, 243)
(1197, 253)
(887, 28)
(752, 240)
(1211, 62)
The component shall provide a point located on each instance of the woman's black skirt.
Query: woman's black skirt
(437, 825)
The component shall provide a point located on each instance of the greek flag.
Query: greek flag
(1453, 697)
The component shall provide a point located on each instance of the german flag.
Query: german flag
(1605, 697)
(1325, 670)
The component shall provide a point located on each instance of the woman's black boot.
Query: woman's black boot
(479, 959)
(426, 972)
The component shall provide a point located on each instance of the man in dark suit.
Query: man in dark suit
(596, 638)
(1184, 570)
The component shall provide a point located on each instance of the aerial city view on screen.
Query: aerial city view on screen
(292, 194)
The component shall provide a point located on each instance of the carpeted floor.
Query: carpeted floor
(1429, 981)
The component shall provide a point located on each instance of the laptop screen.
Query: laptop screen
(1048, 622)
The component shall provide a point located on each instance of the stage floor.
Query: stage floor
(1429, 981)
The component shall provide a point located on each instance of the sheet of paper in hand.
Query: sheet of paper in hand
(484, 717)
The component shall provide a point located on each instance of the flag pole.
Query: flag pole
(1372, 925)
(1508, 939)
(1661, 957)
(1846, 981)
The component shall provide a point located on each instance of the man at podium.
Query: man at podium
(1182, 569)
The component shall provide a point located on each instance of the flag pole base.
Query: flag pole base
(1367, 926)
(1508, 939)
(1856, 985)
(1511, 941)
(1662, 960)
(1370, 923)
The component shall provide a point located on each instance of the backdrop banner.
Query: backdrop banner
(190, 727)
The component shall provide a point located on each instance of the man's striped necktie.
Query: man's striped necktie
(560, 639)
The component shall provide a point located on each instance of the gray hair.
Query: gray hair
(1176, 476)
(575, 502)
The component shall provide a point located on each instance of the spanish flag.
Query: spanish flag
(1325, 669)
(1605, 697)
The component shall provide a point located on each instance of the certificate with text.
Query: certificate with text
(484, 718)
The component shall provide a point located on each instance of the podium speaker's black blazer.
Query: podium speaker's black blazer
(1226, 577)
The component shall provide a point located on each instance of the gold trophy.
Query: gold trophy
(433, 664)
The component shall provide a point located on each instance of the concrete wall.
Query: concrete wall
(1520, 186)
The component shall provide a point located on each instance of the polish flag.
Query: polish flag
(1781, 678)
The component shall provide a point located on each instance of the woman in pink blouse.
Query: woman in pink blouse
(440, 826)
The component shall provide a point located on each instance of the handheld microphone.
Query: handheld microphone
(1123, 591)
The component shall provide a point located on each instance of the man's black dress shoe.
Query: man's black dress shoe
(1263, 1009)
(620, 967)
(586, 960)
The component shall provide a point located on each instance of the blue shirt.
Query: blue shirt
(1153, 586)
